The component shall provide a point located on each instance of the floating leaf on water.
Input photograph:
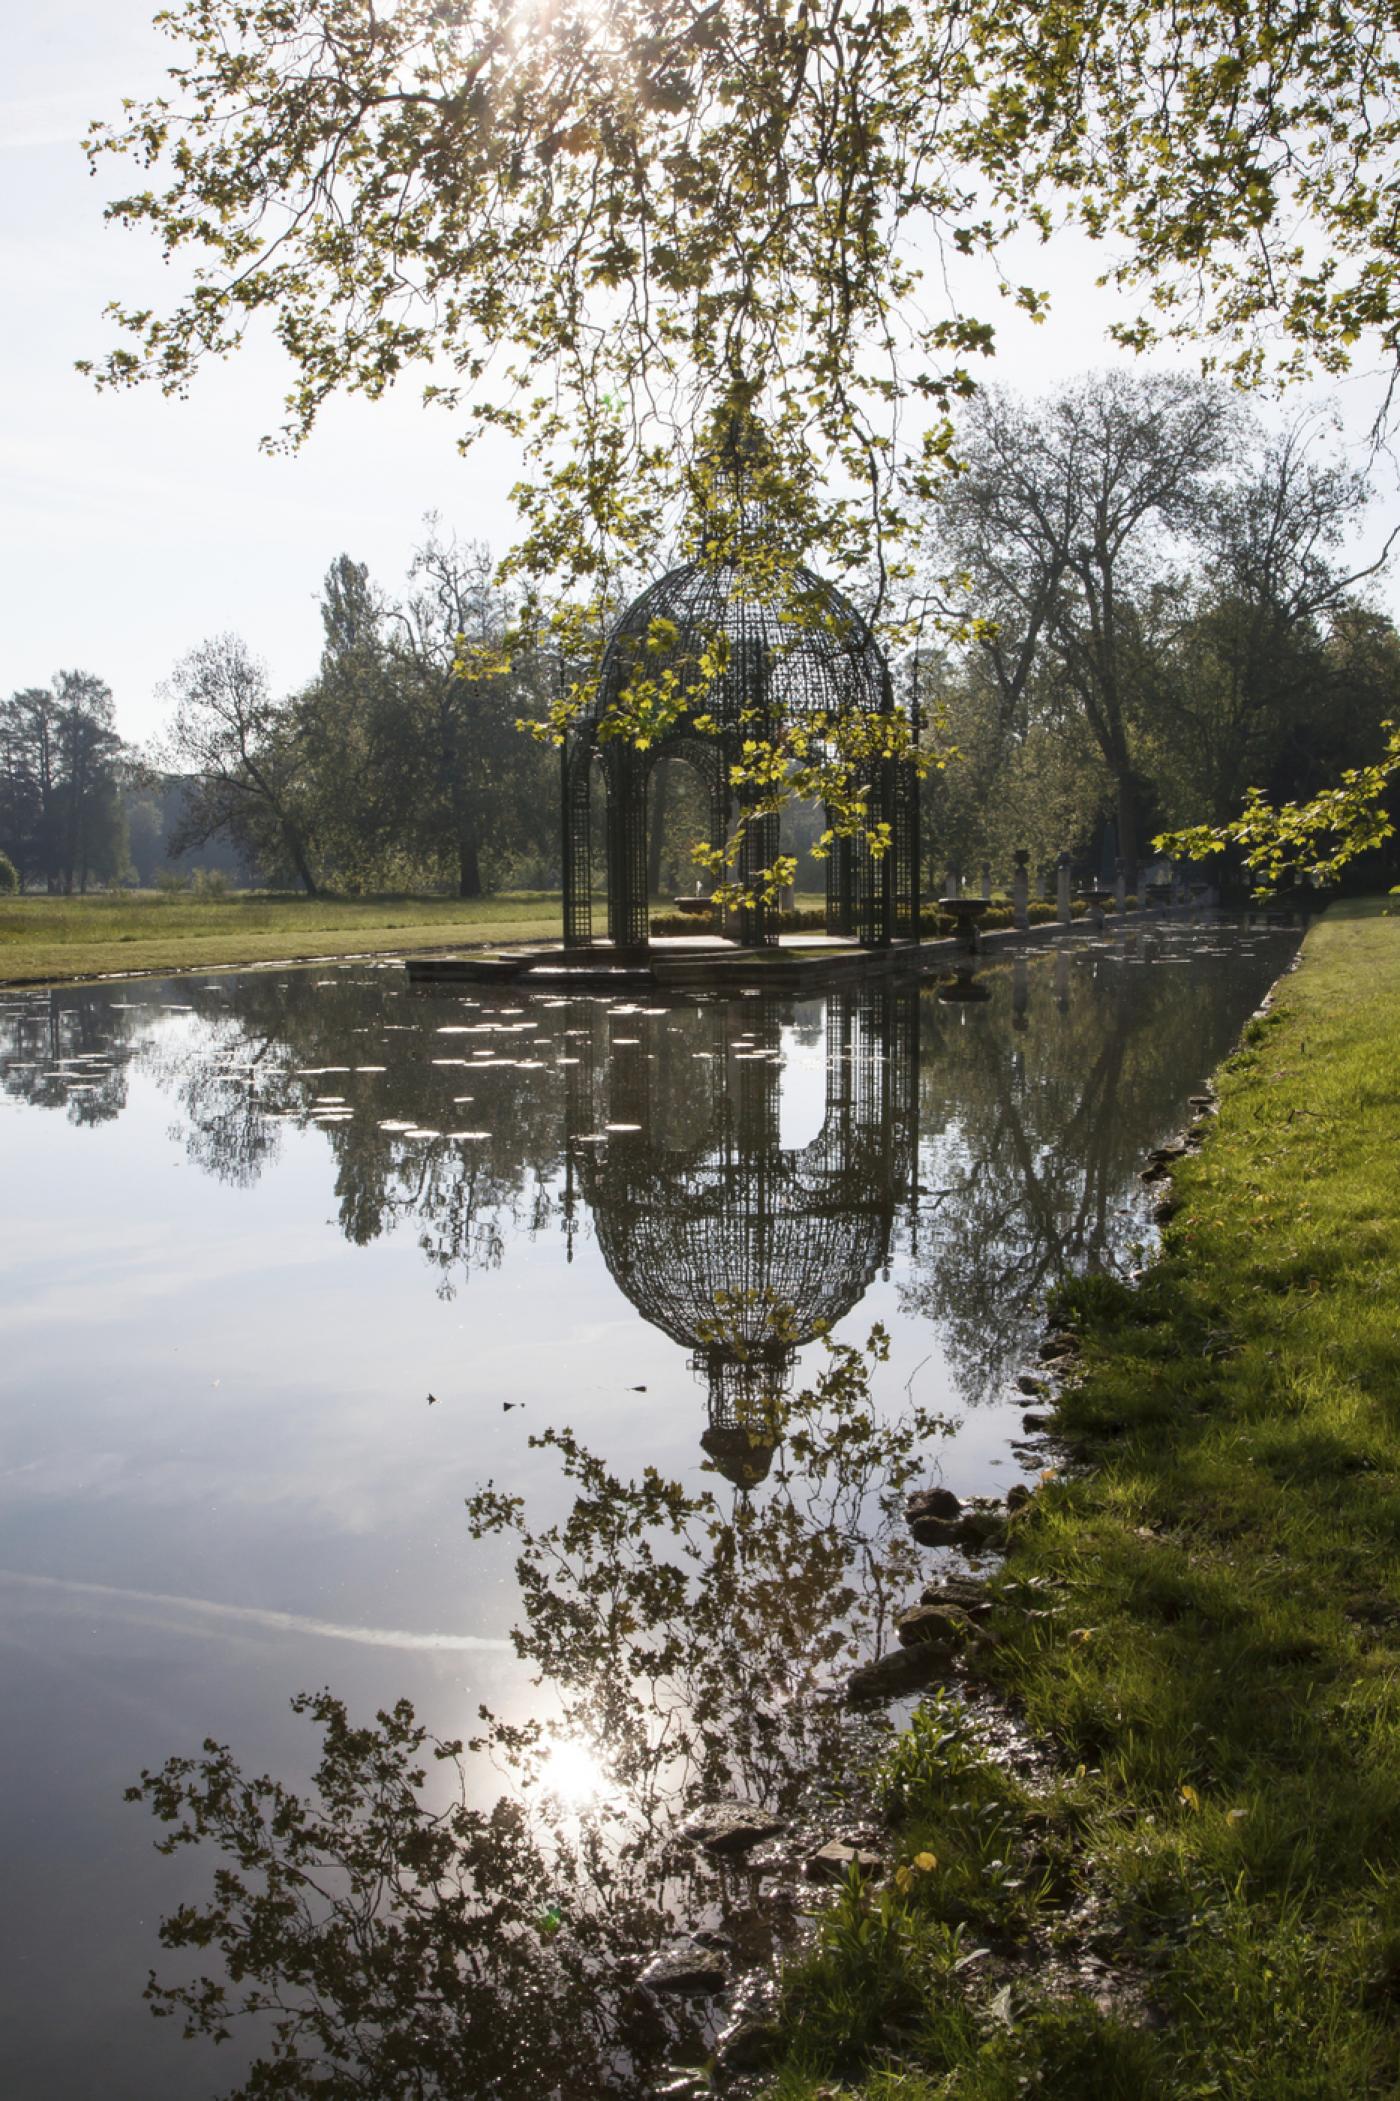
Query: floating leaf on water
(622, 1127)
(467, 1134)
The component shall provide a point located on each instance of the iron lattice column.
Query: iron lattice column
(627, 847)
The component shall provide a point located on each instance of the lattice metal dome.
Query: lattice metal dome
(807, 653)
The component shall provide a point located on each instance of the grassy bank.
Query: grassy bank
(1199, 1620)
(43, 939)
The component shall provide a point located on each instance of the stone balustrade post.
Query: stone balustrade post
(953, 880)
(1063, 909)
(1020, 891)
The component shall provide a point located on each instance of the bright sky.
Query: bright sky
(134, 526)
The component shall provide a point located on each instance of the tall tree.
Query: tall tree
(89, 754)
(243, 754)
(61, 760)
(28, 770)
(1065, 516)
(1251, 706)
(476, 779)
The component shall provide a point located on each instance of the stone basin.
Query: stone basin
(1097, 902)
(965, 913)
(694, 907)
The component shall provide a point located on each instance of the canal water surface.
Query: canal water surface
(511, 1354)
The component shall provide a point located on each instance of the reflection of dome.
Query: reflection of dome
(739, 1250)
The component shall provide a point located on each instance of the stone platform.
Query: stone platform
(700, 962)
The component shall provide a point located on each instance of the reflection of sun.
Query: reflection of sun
(571, 1770)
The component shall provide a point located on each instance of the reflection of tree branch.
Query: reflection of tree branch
(397, 1942)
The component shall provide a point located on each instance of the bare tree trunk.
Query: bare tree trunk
(1127, 807)
(297, 854)
(468, 861)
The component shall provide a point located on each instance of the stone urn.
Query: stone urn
(965, 913)
(1097, 902)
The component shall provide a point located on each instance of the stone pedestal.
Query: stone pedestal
(1021, 892)
(987, 881)
(1063, 909)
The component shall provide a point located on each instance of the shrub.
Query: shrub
(9, 879)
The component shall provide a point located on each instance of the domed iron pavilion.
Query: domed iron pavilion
(803, 655)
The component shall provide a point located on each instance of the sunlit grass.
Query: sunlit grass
(47, 939)
(1201, 1625)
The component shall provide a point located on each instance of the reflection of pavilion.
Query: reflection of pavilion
(792, 1236)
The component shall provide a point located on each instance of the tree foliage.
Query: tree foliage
(62, 767)
(1314, 840)
(598, 227)
(1166, 613)
(591, 224)
(243, 753)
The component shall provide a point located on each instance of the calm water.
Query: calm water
(297, 1262)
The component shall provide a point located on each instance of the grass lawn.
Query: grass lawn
(1199, 1621)
(43, 939)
